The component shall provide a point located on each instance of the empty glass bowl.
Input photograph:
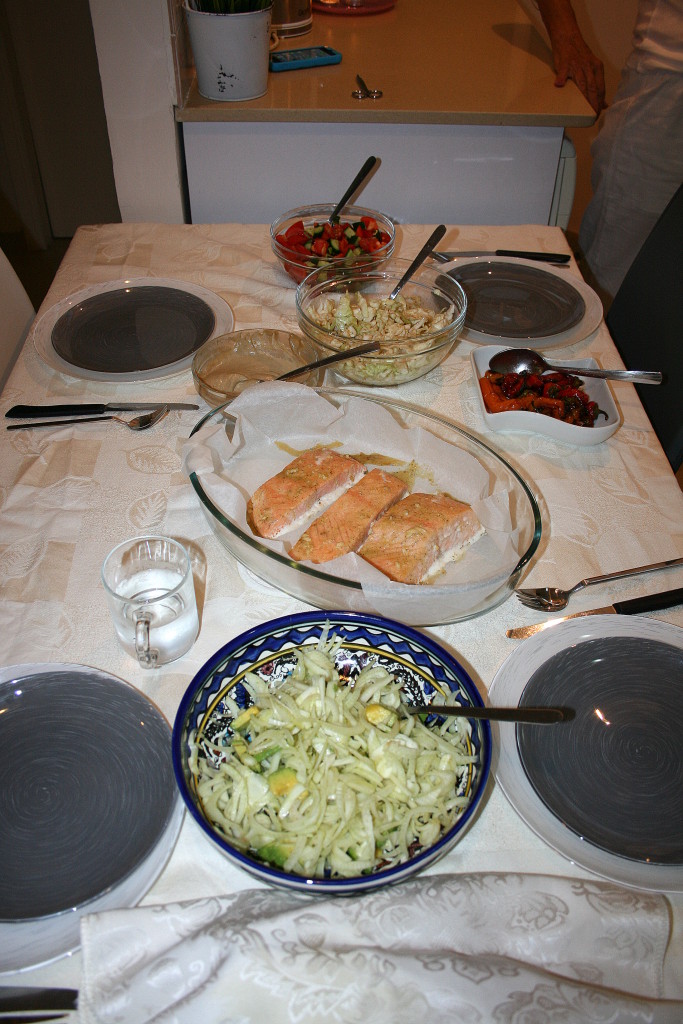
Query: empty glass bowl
(225, 366)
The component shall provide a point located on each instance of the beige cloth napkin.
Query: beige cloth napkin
(506, 948)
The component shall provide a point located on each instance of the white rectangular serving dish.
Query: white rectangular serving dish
(536, 422)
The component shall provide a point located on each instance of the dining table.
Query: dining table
(69, 494)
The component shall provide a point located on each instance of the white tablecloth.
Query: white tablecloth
(66, 499)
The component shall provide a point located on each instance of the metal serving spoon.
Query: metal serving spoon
(353, 187)
(434, 239)
(137, 423)
(541, 716)
(525, 360)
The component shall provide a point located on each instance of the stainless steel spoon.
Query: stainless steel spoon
(434, 239)
(554, 599)
(137, 423)
(353, 187)
(541, 716)
(525, 360)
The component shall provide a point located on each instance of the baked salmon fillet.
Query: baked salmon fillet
(419, 535)
(301, 489)
(345, 524)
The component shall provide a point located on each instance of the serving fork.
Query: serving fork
(554, 599)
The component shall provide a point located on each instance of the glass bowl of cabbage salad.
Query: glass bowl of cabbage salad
(340, 307)
(295, 756)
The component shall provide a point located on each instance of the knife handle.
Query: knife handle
(543, 257)
(28, 411)
(650, 603)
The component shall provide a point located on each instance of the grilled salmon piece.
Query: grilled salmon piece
(345, 524)
(420, 535)
(301, 489)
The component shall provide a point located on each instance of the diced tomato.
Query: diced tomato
(296, 228)
(370, 244)
(320, 246)
(295, 238)
(343, 245)
(369, 223)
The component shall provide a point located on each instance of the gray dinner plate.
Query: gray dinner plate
(133, 329)
(517, 301)
(88, 803)
(614, 775)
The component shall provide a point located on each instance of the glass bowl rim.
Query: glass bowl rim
(380, 270)
(318, 574)
(324, 210)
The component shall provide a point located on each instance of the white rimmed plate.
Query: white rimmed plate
(131, 330)
(536, 422)
(608, 796)
(89, 811)
(518, 303)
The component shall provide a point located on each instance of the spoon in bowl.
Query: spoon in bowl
(355, 184)
(433, 240)
(525, 360)
(541, 716)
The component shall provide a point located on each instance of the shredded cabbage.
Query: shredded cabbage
(404, 325)
(325, 776)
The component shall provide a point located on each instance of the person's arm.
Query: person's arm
(572, 56)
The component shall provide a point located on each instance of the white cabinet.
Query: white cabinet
(249, 172)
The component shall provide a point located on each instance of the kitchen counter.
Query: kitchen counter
(470, 127)
(444, 62)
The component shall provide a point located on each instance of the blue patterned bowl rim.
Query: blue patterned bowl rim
(291, 631)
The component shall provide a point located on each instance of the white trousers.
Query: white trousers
(637, 167)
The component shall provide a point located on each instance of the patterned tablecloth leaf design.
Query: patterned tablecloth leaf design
(22, 558)
(153, 458)
(148, 512)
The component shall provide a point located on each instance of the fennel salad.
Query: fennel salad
(404, 325)
(324, 775)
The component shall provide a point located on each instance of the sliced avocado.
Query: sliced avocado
(243, 718)
(274, 854)
(282, 781)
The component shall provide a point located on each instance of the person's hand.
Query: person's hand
(574, 59)
(572, 56)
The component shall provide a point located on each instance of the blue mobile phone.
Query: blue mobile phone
(308, 57)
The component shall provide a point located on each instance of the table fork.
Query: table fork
(554, 599)
(137, 423)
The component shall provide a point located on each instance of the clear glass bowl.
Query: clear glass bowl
(298, 264)
(224, 366)
(398, 360)
(325, 589)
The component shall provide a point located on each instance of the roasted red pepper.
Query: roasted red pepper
(554, 394)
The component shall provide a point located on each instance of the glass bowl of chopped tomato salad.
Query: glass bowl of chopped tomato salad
(304, 239)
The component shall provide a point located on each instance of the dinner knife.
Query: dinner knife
(28, 1000)
(635, 605)
(41, 411)
(541, 257)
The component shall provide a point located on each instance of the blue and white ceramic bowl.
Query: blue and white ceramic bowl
(425, 670)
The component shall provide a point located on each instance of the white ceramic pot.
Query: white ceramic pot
(230, 53)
